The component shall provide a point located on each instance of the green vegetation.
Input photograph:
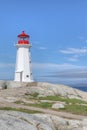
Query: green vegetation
(74, 106)
(19, 102)
(31, 96)
(75, 109)
(39, 104)
(20, 109)
(62, 99)
(42, 105)
(34, 94)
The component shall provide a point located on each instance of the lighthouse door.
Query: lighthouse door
(21, 76)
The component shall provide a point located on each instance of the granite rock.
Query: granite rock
(11, 120)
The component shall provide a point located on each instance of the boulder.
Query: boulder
(58, 105)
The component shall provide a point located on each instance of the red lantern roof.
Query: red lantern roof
(23, 38)
(23, 35)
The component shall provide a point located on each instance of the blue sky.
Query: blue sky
(58, 34)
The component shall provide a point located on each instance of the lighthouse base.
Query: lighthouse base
(20, 78)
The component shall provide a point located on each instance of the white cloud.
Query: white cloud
(74, 51)
(43, 66)
(35, 42)
(6, 65)
(52, 66)
(74, 58)
(60, 73)
(82, 39)
(42, 48)
(38, 45)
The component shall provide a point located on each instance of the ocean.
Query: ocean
(81, 88)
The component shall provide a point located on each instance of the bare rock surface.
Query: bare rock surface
(17, 89)
(58, 105)
(11, 120)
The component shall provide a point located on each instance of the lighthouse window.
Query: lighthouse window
(27, 76)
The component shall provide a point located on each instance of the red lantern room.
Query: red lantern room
(23, 38)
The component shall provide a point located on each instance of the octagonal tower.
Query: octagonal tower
(23, 72)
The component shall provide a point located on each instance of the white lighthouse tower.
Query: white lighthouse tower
(23, 71)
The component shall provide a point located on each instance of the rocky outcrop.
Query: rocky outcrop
(47, 89)
(43, 89)
(11, 120)
(10, 84)
(11, 92)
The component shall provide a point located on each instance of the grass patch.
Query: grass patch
(32, 95)
(74, 106)
(66, 100)
(39, 104)
(19, 102)
(75, 109)
(20, 109)
(53, 98)
(43, 105)
(35, 94)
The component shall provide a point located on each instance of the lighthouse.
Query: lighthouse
(23, 72)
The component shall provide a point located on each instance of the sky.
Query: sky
(58, 34)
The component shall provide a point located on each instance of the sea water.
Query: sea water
(81, 88)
